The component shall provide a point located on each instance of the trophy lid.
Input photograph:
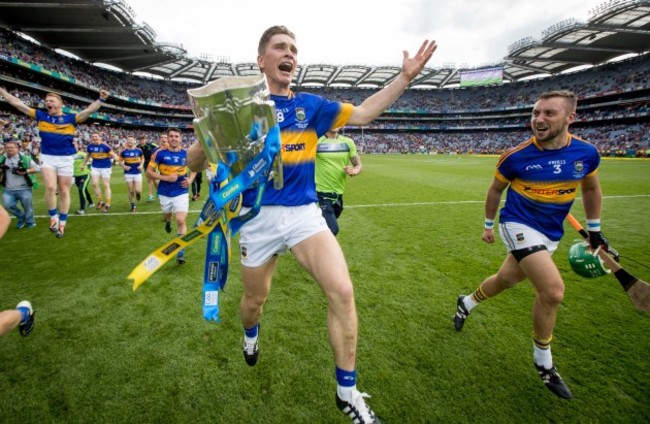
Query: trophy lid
(228, 83)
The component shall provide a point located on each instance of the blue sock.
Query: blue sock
(63, 218)
(346, 378)
(52, 212)
(182, 251)
(252, 332)
(24, 312)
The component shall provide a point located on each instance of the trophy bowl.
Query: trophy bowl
(232, 117)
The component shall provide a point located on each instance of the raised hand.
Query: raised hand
(412, 66)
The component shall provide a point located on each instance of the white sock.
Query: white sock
(543, 357)
(345, 393)
(469, 302)
(250, 340)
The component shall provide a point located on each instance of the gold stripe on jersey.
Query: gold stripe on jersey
(132, 160)
(100, 155)
(344, 115)
(298, 147)
(172, 169)
(67, 129)
(545, 192)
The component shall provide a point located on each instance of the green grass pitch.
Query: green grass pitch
(411, 231)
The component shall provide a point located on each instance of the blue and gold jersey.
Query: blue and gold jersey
(132, 159)
(544, 183)
(168, 163)
(100, 154)
(302, 118)
(56, 132)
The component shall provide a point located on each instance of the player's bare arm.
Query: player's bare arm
(592, 197)
(15, 102)
(93, 107)
(492, 201)
(196, 159)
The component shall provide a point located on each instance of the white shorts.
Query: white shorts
(101, 172)
(132, 177)
(519, 236)
(63, 165)
(175, 204)
(277, 228)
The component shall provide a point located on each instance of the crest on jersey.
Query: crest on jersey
(578, 166)
(300, 114)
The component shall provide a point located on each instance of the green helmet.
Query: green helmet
(586, 263)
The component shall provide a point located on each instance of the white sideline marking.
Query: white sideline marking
(376, 205)
(459, 202)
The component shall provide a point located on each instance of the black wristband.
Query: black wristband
(101, 99)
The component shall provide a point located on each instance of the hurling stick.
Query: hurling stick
(638, 290)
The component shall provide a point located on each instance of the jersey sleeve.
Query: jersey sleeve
(332, 115)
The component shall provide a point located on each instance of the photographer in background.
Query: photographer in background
(17, 179)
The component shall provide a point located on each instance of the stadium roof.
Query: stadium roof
(105, 31)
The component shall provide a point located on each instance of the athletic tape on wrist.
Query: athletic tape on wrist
(593, 224)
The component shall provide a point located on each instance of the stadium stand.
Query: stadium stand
(613, 108)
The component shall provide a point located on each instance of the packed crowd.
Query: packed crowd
(91, 76)
(623, 76)
(456, 129)
(611, 140)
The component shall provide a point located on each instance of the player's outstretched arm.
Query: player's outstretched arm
(15, 102)
(93, 107)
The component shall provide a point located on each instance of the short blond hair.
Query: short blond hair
(55, 96)
(569, 97)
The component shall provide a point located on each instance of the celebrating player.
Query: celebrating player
(173, 184)
(132, 162)
(290, 217)
(101, 167)
(56, 130)
(542, 176)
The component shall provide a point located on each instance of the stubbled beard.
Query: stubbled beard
(550, 135)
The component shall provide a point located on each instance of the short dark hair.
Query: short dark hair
(269, 33)
(174, 129)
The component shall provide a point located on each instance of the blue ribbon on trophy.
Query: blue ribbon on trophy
(235, 124)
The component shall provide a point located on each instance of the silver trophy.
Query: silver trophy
(233, 115)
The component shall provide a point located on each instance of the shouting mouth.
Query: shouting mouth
(286, 67)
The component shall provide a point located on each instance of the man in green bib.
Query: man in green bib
(336, 158)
